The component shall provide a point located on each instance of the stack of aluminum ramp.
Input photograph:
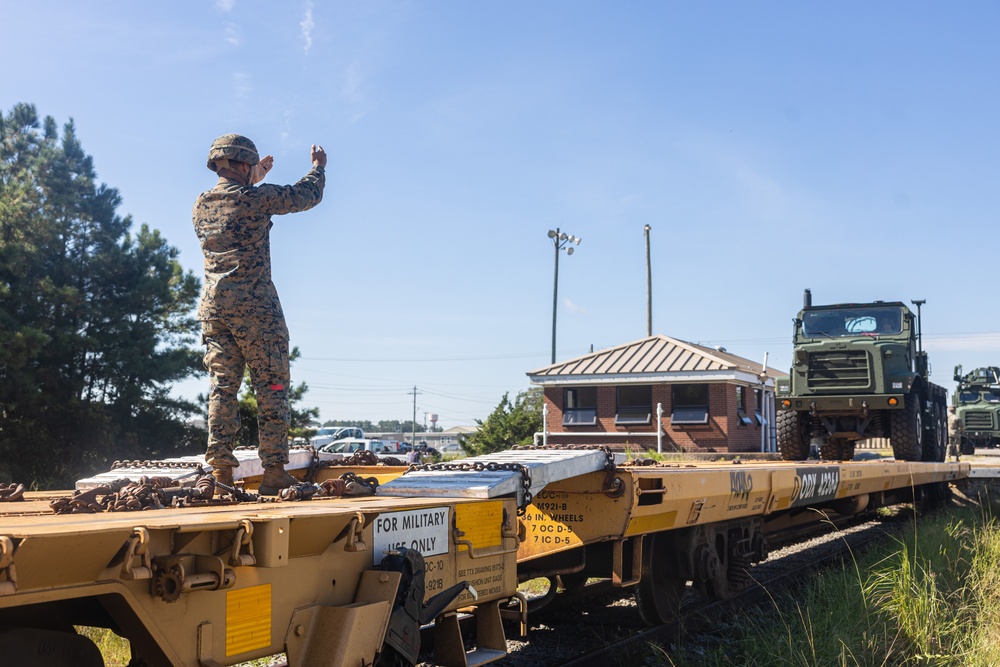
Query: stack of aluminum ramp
(544, 466)
(184, 469)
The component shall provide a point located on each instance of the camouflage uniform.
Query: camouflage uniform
(954, 428)
(242, 321)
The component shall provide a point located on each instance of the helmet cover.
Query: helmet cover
(232, 147)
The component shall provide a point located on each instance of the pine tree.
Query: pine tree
(508, 425)
(95, 321)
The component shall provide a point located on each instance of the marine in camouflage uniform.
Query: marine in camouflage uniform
(242, 321)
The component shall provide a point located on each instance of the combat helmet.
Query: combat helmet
(232, 147)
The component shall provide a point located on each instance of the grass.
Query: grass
(931, 598)
(117, 651)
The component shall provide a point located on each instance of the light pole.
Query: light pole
(560, 240)
(649, 287)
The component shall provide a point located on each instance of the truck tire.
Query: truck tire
(967, 446)
(837, 449)
(793, 436)
(939, 442)
(906, 430)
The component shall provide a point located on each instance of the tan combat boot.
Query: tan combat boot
(223, 475)
(275, 479)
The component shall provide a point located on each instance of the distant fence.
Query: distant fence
(873, 443)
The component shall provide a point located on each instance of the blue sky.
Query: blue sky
(849, 147)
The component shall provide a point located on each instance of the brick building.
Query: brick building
(707, 399)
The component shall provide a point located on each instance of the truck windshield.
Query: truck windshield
(836, 323)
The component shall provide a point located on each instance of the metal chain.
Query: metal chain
(124, 495)
(155, 464)
(347, 484)
(11, 492)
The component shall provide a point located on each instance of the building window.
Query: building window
(742, 420)
(635, 405)
(690, 404)
(579, 406)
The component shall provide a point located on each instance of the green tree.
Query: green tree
(398, 426)
(95, 320)
(301, 416)
(364, 425)
(508, 425)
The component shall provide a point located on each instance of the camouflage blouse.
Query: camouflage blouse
(233, 223)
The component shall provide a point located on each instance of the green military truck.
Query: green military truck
(977, 406)
(859, 371)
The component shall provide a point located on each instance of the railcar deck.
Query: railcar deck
(219, 584)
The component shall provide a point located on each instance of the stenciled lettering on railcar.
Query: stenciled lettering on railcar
(815, 484)
(425, 530)
(740, 486)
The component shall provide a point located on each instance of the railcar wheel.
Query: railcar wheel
(793, 435)
(906, 429)
(659, 592)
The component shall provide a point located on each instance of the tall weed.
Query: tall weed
(931, 598)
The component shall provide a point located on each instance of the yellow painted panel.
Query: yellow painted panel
(651, 523)
(481, 524)
(248, 619)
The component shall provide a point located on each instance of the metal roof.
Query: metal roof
(655, 355)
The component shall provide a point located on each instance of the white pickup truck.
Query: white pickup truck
(327, 434)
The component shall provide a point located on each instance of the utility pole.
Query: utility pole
(414, 392)
(649, 288)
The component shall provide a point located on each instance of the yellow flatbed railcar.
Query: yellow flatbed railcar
(344, 581)
(225, 584)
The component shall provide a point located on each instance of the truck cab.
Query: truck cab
(977, 406)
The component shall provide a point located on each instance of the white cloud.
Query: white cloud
(225, 5)
(353, 81)
(307, 24)
(232, 34)
(978, 342)
(573, 308)
(353, 90)
(242, 85)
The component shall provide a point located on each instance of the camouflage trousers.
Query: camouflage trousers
(232, 347)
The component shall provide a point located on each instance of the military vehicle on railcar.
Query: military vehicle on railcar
(977, 405)
(859, 371)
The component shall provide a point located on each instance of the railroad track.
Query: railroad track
(601, 626)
